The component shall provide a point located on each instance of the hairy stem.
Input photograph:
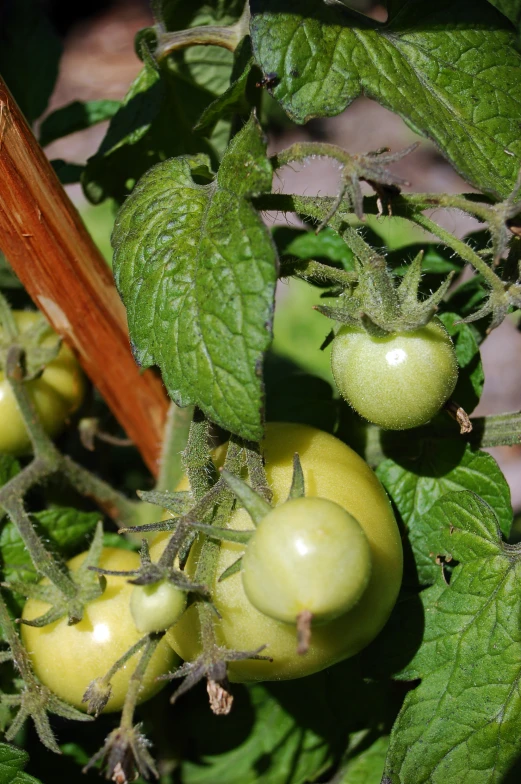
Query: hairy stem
(19, 653)
(41, 443)
(176, 436)
(314, 269)
(197, 460)
(461, 248)
(134, 687)
(317, 206)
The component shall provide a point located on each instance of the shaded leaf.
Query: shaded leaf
(283, 733)
(511, 9)
(366, 767)
(76, 116)
(30, 53)
(141, 133)
(471, 377)
(12, 763)
(234, 99)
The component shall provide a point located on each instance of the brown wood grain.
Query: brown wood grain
(46, 243)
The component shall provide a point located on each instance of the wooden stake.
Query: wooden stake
(49, 248)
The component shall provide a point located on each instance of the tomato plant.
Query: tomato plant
(399, 380)
(57, 393)
(67, 658)
(293, 482)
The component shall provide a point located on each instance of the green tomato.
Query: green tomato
(308, 554)
(57, 393)
(67, 658)
(331, 471)
(157, 606)
(398, 381)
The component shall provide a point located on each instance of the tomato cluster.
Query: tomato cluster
(67, 658)
(335, 553)
(345, 509)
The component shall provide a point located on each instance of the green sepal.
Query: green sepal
(231, 570)
(298, 485)
(254, 504)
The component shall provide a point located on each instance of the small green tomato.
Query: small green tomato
(397, 381)
(309, 554)
(156, 607)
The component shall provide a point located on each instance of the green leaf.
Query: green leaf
(12, 763)
(462, 723)
(367, 766)
(30, 53)
(76, 116)
(66, 529)
(141, 132)
(417, 483)
(196, 269)
(68, 173)
(233, 101)
(450, 69)
(471, 377)
(9, 467)
(326, 246)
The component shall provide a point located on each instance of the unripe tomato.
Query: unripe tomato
(157, 606)
(397, 381)
(57, 393)
(331, 471)
(308, 554)
(67, 658)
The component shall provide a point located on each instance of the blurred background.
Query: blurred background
(99, 62)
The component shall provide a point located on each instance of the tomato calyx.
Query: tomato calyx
(124, 751)
(88, 587)
(149, 573)
(381, 304)
(38, 342)
(212, 665)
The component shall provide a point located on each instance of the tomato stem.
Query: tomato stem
(151, 642)
(197, 461)
(176, 434)
(227, 36)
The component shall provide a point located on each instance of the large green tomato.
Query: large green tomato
(397, 381)
(331, 471)
(57, 393)
(67, 658)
